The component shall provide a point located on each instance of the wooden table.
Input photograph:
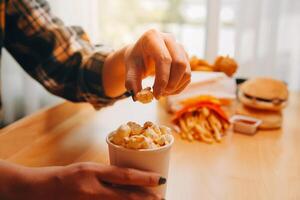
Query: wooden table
(264, 166)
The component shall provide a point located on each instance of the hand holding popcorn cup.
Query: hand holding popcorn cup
(142, 147)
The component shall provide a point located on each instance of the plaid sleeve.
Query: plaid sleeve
(61, 58)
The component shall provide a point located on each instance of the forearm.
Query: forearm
(61, 58)
(113, 76)
(10, 180)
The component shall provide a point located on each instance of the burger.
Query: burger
(264, 93)
(263, 98)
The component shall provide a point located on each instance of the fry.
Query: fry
(214, 121)
(183, 135)
(202, 121)
(217, 134)
(190, 137)
(204, 134)
(183, 126)
(196, 136)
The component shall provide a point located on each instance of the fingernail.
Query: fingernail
(133, 98)
(162, 181)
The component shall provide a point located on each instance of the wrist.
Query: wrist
(114, 72)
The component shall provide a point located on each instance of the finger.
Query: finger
(154, 46)
(134, 74)
(179, 63)
(182, 87)
(127, 176)
(186, 79)
(116, 193)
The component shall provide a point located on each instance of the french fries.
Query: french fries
(202, 124)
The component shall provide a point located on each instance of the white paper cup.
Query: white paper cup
(154, 160)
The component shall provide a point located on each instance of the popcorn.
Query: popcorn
(135, 128)
(134, 136)
(148, 124)
(136, 142)
(145, 95)
(150, 133)
(124, 130)
(165, 130)
(161, 140)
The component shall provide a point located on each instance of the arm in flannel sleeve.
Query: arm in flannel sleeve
(61, 58)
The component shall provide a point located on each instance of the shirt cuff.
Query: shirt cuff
(91, 87)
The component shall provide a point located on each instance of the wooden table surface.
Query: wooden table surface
(264, 166)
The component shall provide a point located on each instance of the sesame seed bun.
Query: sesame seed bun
(264, 93)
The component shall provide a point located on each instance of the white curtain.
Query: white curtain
(267, 39)
(21, 95)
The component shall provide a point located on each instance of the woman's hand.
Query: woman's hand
(154, 51)
(84, 181)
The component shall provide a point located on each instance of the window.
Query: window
(183, 18)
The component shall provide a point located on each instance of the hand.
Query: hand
(86, 181)
(154, 51)
(160, 51)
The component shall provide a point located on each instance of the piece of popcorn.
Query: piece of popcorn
(149, 144)
(150, 133)
(163, 139)
(135, 128)
(116, 139)
(136, 142)
(145, 95)
(148, 124)
(156, 129)
(165, 130)
(123, 131)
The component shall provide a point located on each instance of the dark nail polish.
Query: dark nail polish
(132, 95)
(162, 181)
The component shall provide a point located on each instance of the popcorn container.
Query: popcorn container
(154, 160)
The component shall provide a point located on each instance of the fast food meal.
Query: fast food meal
(263, 98)
(144, 96)
(135, 136)
(222, 64)
(201, 119)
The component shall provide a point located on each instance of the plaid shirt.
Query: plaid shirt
(61, 58)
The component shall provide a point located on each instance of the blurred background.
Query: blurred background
(262, 35)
